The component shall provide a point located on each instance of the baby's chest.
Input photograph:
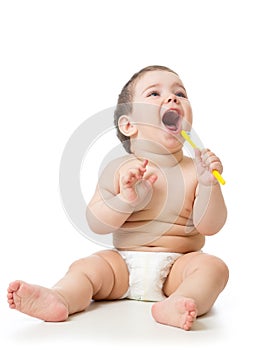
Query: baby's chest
(173, 192)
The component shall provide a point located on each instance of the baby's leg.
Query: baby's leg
(102, 276)
(192, 286)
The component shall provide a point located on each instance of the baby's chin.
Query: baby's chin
(171, 142)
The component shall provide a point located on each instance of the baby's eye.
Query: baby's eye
(181, 94)
(153, 93)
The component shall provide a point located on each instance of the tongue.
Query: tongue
(171, 127)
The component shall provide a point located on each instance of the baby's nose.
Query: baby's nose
(172, 98)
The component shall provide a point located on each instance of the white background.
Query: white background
(63, 61)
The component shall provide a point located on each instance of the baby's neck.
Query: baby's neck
(156, 153)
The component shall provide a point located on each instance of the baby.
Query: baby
(159, 205)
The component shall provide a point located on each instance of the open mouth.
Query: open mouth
(172, 120)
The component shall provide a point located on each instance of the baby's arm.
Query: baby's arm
(209, 211)
(107, 211)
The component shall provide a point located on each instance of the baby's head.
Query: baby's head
(145, 98)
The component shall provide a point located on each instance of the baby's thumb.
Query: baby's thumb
(151, 179)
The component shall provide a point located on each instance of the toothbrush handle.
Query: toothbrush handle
(218, 176)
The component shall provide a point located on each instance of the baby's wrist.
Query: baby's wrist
(206, 188)
(119, 204)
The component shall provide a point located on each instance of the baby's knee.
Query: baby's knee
(82, 264)
(107, 272)
(119, 272)
(219, 267)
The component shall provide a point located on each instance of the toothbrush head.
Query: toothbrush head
(186, 136)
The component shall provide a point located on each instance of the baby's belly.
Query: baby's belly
(168, 243)
(159, 235)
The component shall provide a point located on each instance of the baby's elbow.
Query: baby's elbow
(211, 227)
(98, 228)
(95, 224)
(206, 231)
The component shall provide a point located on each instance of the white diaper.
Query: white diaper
(147, 273)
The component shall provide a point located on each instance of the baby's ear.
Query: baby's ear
(126, 126)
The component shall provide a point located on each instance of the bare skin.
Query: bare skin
(186, 300)
(101, 276)
(176, 310)
(37, 301)
(195, 279)
(48, 305)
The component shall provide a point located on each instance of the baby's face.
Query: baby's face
(161, 109)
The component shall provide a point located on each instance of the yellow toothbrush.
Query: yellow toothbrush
(216, 174)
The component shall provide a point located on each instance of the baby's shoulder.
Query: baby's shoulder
(188, 161)
(188, 166)
(115, 164)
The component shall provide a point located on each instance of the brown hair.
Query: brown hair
(125, 100)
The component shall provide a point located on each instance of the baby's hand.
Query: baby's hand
(206, 162)
(135, 188)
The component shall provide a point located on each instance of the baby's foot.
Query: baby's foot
(37, 301)
(175, 311)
